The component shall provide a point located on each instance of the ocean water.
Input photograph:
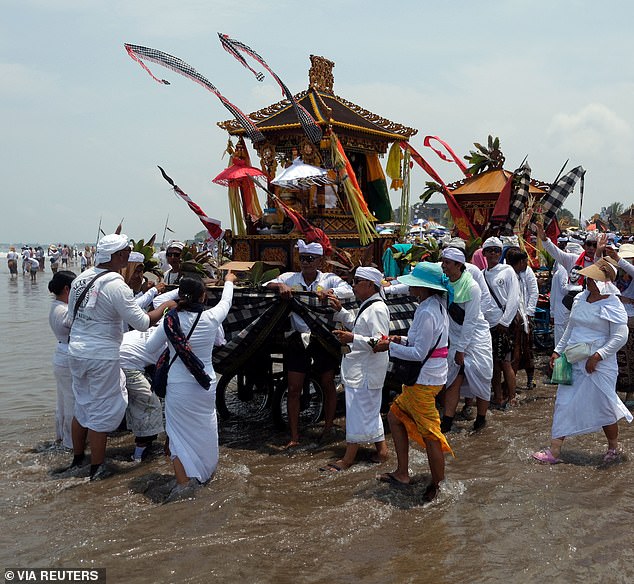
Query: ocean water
(268, 516)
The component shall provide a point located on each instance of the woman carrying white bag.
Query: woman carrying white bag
(597, 329)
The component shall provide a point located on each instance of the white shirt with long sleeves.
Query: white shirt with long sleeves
(529, 289)
(362, 367)
(97, 330)
(505, 287)
(201, 340)
(429, 325)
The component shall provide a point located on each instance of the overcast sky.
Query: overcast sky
(83, 126)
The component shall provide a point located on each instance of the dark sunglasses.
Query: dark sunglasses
(591, 243)
(308, 259)
(356, 281)
(173, 254)
(492, 250)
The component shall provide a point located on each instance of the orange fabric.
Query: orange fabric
(415, 407)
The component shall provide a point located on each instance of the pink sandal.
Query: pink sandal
(546, 456)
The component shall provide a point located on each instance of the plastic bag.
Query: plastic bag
(578, 352)
(562, 371)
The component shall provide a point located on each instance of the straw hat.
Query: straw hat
(626, 251)
(425, 275)
(603, 270)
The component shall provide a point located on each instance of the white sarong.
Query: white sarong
(363, 415)
(192, 427)
(65, 405)
(100, 394)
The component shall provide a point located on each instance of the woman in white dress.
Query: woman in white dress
(591, 403)
(190, 402)
(60, 287)
(470, 356)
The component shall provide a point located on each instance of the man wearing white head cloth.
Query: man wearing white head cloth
(299, 354)
(98, 304)
(173, 257)
(362, 370)
(505, 291)
(470, 361)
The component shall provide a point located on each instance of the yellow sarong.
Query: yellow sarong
(415, 407)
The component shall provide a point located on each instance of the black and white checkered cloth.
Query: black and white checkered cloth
(257, 319)
(308, 123)
(554, 199)
(520, 196)
(137, 53)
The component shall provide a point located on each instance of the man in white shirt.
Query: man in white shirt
(98, 305)
(523, 357)
(363, 371)
(504, 287)
(298, 356)
(173, 256)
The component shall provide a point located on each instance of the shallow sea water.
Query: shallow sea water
(268, 516)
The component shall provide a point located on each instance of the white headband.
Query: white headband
(371, 274)
(108, 245)
(453, 253)
(311, 248)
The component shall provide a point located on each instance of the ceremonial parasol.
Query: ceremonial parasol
(236, 173)
(301, 176)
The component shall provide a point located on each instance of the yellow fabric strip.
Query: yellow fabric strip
(415, 407)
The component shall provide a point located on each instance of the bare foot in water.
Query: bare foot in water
(393, 479)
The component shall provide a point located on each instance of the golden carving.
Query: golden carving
(268, 162)
(242, 251)
(274, 254)
(320, 76)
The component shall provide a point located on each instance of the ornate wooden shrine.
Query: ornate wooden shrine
(478, 194)
(363, 135)
(627, 221)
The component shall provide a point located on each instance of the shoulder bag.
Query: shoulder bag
(159, 379)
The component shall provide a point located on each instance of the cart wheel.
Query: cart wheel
(237, 396)
(311, 404)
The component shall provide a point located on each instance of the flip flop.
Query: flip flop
(390, 479)
(332, 467)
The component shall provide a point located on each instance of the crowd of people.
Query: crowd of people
(470, 335)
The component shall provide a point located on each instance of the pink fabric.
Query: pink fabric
(440, 353)
(478, 260)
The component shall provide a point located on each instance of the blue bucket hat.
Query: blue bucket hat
(426, 275)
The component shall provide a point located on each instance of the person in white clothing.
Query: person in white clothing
(98, 305)
(363, 371)
(523, 357)
(470, 357)
(33, 266)
(26, 255)
(413, 414)
(596, 331)
(625, 357)
(173, 256)
(190, 400)
(12, 262)
(144, 414)
(504, 288)
(57, 319)
(298, 357)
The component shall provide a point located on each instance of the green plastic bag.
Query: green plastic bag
(562, 371)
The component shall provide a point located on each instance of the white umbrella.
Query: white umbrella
(301, 176)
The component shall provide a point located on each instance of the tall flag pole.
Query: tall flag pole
(138, 53)
(165, 230)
